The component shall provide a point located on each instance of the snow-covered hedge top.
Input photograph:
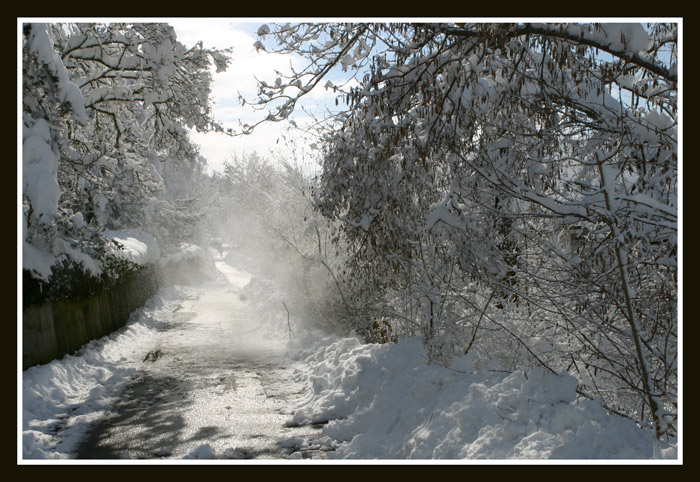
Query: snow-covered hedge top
(185, 251)
(142, 248)
(139, 246)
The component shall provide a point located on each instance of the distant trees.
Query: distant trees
(105, 146)
(263, 208)
(511, 190)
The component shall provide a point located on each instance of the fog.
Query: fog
(262, 221)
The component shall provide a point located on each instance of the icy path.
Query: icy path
(216, 383)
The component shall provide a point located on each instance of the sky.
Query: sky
(240, 78)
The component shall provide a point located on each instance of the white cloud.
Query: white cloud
(218, 148)
(240, 79)
(246, 66)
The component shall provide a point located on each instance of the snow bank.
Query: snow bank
(269, 302)
(386, 401)
(189, 264)
(64, 396)
(142, 248)
(185, 252)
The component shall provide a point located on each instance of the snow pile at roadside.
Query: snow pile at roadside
(186, 251)
(63, 397)
(189, 264)
(269, 302)
(386, 401)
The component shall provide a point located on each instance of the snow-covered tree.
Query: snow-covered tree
(512, 189)
(106, 108)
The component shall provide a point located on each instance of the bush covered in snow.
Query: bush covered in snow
(507, 189)
(68, 281)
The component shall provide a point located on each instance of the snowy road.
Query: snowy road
(206, 372)
(215, 383)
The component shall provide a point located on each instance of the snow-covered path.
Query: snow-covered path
(214, 383)
(207, 372)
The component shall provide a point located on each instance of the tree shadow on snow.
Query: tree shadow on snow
(147, 422)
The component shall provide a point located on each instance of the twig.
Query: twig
(289, 325)
(493, 292)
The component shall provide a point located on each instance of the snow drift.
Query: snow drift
(386, 401)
